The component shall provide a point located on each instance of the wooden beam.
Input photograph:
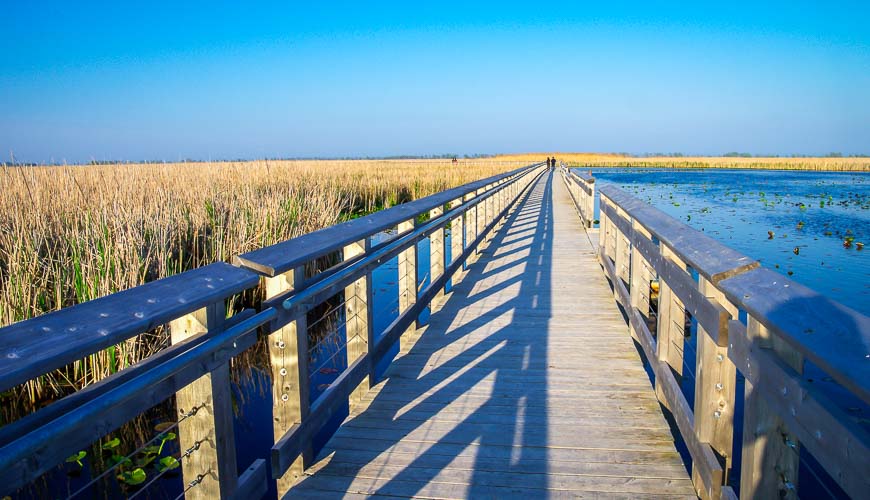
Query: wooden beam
(770, 455)
(358, 327)
(715, 385)
(288, 358)
(210, 428)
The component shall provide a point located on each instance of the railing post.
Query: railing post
(590, 205)
(715, 384)
(288, 357)
(357, 314)
(641, 276)
(622, 259)
(209, 430)
(604, 228)
(670, 331)
(770, 455)
(480, 222)
(437, 257)
(408, 283)
(457, 235)
(470, 226)
(483, 218)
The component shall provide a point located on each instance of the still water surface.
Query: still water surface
(793, 222)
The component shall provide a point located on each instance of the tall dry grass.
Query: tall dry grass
(71, 234)
(759, 163)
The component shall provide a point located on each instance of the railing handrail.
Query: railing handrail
(194, 302)
(786, 323)
(819, 328)
(286, 255)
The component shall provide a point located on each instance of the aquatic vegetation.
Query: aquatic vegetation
(73, 233)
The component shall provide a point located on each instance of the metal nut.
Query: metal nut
(284, 397)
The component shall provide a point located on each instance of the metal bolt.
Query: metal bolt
(719, 386)
(717, 414)
(284, 397)
(280, 344)
(283, 372)
(720, 358)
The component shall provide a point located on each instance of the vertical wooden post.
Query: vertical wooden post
(622, 260)
(590, 205)
(436, 258)
(770, 456)
(470, 226)
(640, 280)
(358, 325)
(457, 236)
(408, 282)
(603, 227)
(288, 357)
(670, 331)
(481, 221)
(715, 381)
(210, 429)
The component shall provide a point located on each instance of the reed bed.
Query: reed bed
(74, 233)
(757, 163)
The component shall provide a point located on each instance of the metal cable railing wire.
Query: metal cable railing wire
(129, 456)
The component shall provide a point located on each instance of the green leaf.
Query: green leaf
(111, 444)
(149, 450)
(168, 463)
(77, 458)
(137, 476)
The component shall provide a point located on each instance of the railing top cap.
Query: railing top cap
(713, 260)
(286, 255)
(585, 176)
(36, 346)
(831, 335)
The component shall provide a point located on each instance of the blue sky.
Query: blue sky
(216, 80)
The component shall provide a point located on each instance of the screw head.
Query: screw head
(717, 414)
(720, 358)
(284, 397)
(283, 372)
(719, 386)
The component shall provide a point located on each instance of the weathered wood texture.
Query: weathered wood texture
(525, 382)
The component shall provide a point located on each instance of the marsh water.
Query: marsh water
(810, 215)
(806, 225)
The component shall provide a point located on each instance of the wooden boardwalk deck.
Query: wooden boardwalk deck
(524, 383)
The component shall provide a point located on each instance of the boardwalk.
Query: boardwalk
(525, 383)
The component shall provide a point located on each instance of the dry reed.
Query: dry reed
(71, 234)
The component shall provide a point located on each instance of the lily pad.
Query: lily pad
(136, 476)
(111, 444)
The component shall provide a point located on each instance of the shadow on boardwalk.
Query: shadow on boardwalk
(484, 435)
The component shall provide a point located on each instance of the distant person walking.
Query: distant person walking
(549, 162)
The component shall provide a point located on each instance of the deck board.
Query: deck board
(525, 383)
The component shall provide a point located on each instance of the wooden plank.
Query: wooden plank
(281, 257)
(210, 429)
(288, 361)
(253, 483)
(357, 312)
(770, 454)
(437, 255)
(831, 335)
(832, 436)
(715, 385)
(711, 259)
(26, 458)
(408, 282)
(39, 345)
(501, 376)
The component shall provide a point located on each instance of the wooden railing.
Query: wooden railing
(749, 320)
(196, 367)
(582, 188)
